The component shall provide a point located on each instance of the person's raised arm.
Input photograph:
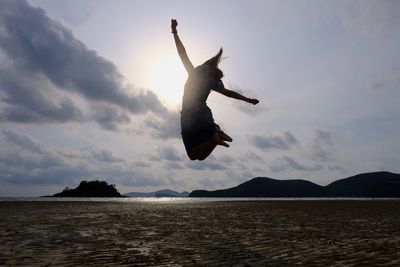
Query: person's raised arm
(181, 49)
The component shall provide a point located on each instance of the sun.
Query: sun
(167, 79)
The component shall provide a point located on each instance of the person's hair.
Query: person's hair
(213, 62)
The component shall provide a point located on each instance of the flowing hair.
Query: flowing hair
(213, 62)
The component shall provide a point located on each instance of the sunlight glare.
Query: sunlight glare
(167, 80)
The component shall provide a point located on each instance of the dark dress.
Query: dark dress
(197, 122)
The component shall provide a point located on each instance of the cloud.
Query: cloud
(286, 162)
(245, 107)
(25, 160)
(45, 69)
(211, 163)
(167, 153)
(109, 117)
(28, 98)
(286, 142)
(251, 156)
(322, 147)
(336, 168)
(173, 165)
(168, 126)
(173, 159)
(24, 142)
(101, 154)
(320, 152)
(228, 160)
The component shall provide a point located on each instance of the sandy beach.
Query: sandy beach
(256, 233)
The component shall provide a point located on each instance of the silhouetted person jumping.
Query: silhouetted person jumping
(199, 132)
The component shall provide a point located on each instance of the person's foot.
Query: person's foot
(224, 137)
(219, 141)
(222, 143)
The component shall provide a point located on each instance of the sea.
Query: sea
(187, 199)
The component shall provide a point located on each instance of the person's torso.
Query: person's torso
(196, 92)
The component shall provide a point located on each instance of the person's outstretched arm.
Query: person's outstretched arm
(236, 95)
(181, 49)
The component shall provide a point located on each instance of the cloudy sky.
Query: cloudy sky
(92, 90)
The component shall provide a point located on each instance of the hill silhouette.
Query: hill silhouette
(369, 185)
(376, 184)
(266, 187)
(90, 189)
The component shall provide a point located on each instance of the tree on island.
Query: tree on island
(91, 189)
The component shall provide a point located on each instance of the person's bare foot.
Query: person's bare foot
(219, 141)
(222, 143)
(224, 137)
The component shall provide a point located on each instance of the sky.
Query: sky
(91, 90)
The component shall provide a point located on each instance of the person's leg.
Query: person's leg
(202, 151)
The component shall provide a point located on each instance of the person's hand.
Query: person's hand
(253, 101)
(174, 24)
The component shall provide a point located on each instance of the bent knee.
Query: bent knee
(192, 156)
(202, 157)
(196, 156)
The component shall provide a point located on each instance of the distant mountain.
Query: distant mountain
(266, 187)
(90, 189)
(377, 185)
(159, 193)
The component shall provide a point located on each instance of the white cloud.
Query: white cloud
(286, 162)
(322, 147)
(47, 66)
(286, 142)
(25, 160)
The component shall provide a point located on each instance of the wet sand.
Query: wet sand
(267, 233)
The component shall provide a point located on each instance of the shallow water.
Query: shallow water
(199, 232)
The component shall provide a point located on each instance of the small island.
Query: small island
(90, 189)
